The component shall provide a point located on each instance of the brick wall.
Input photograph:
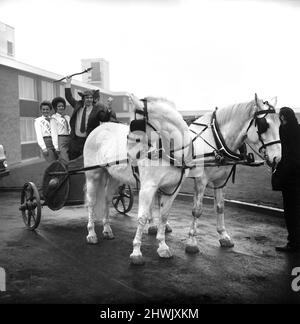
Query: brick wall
(10, 114)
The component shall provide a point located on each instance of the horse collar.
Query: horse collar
(222, 148)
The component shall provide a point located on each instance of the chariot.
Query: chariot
(64, 185)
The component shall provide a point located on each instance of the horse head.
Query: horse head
(263, 130)
(159, 125)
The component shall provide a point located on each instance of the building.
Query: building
(99, 75)
(191, 115)
(22, 88)
(7, 40)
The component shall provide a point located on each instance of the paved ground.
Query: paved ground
(55, 265)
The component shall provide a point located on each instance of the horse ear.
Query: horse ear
(273, 102)
(256, 99)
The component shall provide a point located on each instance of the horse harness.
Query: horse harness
(221, 152)
(140, 125)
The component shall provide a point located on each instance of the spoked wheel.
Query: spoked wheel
(30, 206)
(123, 201)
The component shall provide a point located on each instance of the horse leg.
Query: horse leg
(225, 240)
(146, 196)
(92, 188)
(192, 244)
(152, 229)
(165, 204)
(110, 187)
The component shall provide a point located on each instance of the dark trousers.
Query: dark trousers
(76, 145)
(291, 205)
(63, 146)
(50, 155)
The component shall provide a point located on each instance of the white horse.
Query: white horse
(254, 123)
(108, 143)
(225, 131)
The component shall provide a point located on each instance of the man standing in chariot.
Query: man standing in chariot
(88, 113)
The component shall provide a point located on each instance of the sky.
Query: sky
(197, 53)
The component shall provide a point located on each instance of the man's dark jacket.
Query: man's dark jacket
(99, 113)
(289, 166)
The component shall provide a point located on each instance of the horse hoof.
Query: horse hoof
(165, 254)
(137, 260)
(92, 239)
(226, 243)
(168, 229)
(152, 230)
(108, 236)
(192, 249)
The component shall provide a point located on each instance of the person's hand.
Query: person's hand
(68, 81)
(45, 152)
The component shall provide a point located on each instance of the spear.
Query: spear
(69, 76)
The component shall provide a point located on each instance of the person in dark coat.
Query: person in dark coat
(87, 115)
(289, 170)
(113, 116)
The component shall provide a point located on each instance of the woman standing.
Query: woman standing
(289, 171)
(43, 132)
(60, 128)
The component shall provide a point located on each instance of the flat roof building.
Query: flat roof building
(7, 40)
(22, 88)
(99, 74)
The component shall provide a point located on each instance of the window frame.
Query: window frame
(35, 92)
(31, 140)
(45, 96)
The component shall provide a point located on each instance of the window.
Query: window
(10, 48)
(47, 90)
(27, 88)
(61, 90)
(125, 104)
(95, 73)
(27, 130)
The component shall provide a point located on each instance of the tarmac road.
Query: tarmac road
(55, 265)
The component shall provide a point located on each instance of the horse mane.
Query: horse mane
(163, 100)
(168, 110)
(226, 114)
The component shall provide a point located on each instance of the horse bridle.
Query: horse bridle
(145, 120)
(262, 125)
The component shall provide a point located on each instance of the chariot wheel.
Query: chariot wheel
(123, 201)
(31, 206)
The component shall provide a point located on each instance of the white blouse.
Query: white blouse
(60, 125)
(42, 129)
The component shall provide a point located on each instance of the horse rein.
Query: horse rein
(260, 123)
(222, 149)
